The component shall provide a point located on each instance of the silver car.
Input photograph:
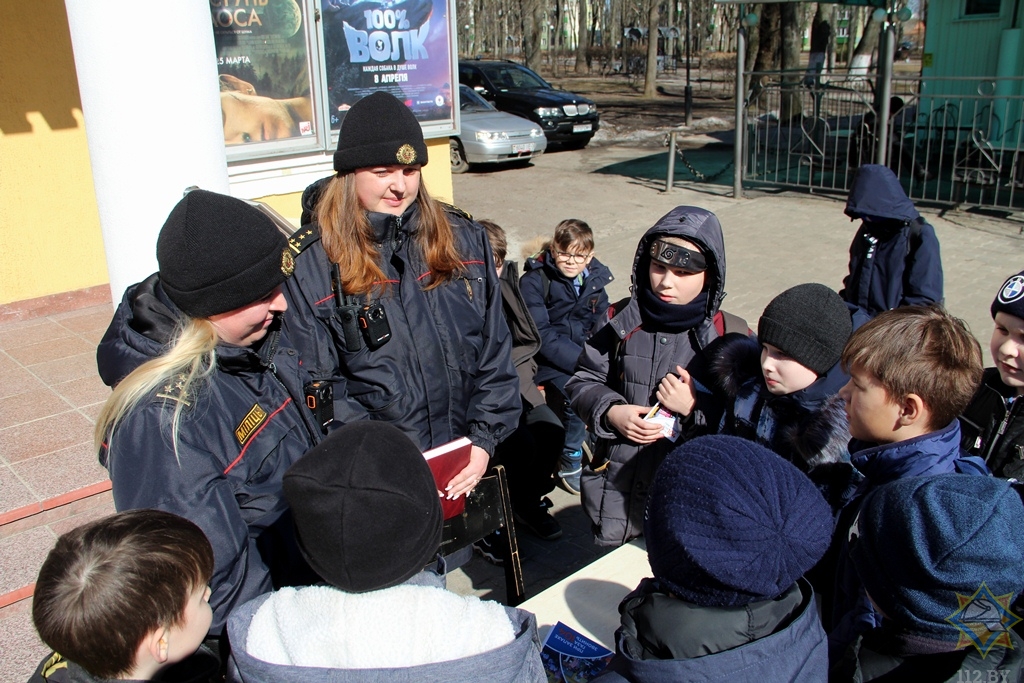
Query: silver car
(490, 136)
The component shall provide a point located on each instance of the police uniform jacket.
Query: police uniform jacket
(446, 371)
(240, 429)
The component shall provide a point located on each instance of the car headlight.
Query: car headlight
(536, 133)
(485, 136)
(547, 112)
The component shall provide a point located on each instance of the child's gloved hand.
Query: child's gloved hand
(677, 393)
(629, 421)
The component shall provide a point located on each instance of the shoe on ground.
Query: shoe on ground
(539, 521)
(489, 548)
(570, 466)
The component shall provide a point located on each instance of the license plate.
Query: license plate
(524, 147)
(583, 128)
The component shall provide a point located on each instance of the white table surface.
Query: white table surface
(588, 601)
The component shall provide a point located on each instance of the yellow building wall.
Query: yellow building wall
(50, 233)
(49, 224)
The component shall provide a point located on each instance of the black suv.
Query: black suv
(564, 117)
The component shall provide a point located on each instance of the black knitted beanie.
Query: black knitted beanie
(1010, 298)
(217, 253)
(365, 506)
(379, 131)
(809, 323)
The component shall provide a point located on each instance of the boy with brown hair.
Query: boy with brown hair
(564, 289)
(124, 597)
(912, 372)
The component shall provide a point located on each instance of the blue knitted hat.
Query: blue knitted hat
(920, 542)
(729, 522)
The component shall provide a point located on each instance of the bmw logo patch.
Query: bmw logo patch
(1012, 290)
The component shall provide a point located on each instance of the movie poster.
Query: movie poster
(402, 47)
(262, 60)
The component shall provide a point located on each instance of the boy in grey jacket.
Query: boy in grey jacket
(649, 353)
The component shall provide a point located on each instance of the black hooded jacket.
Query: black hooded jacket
(894, 257)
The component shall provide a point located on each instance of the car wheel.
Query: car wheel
(459, 163)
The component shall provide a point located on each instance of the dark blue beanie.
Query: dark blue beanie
(922, 541)
(729, 522)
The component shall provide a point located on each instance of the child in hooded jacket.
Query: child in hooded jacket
(781, 388)
(646, 354)
(894, 257)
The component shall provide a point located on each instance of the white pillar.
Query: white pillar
(149, 89)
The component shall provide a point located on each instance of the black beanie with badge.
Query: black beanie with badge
(379, 131)
(810, 323)
(217, 253)
(1010, 298)
(365, 506)
(729, 522)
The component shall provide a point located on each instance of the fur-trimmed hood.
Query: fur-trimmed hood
(808, 427)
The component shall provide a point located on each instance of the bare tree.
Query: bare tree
(792, 34)
(769, 38)
(581, 36)
(860, 62)
(651, 75)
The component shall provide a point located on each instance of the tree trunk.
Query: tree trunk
(651, 76)
(531, 14)
(769, 38)
(861, 60)
(581, 37)
(791, 106)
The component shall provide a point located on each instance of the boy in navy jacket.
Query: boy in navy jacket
(564, 289)
(912, 372)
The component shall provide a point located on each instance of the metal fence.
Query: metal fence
(951, 140)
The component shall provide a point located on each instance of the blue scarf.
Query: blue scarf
(660, 316)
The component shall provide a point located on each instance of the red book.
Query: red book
(445, 462)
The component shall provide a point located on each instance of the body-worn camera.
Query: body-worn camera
(320, 400)
(374, 321)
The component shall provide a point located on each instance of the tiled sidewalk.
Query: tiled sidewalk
(50, 480)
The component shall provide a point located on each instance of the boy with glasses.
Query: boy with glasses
(564, 289)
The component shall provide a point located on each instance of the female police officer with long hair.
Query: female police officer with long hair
(395, 299)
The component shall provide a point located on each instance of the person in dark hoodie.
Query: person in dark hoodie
(369, 521)
(941, 557)
(894, 257)
(781, 389)
(650, 351)
(730, 529)
(531, 452)
(208, 408)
